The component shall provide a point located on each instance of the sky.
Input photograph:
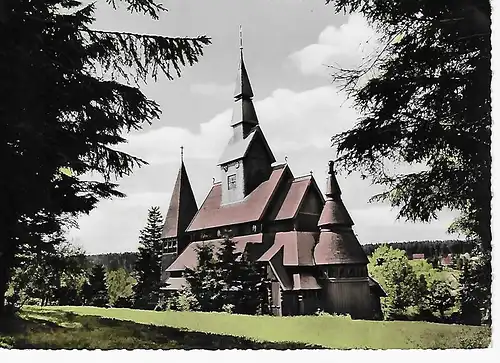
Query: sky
(288, 46)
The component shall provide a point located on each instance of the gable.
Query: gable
(252, 208)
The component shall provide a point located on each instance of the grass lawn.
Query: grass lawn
(89, 327)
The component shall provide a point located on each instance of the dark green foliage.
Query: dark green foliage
(475, 292)
(436, 59)
(62, 119)
(148, 263)
(225, 280)
(95, 290)
(204, 280)
(115, 261)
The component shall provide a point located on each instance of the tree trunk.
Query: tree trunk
(3, 285)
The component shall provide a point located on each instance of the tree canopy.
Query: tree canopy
(428, 103)
(61, 118)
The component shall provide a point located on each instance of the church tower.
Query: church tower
(341, 258)
(180, 212)
(246, 160)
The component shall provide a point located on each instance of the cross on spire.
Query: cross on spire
(182, 154)
(241, 38)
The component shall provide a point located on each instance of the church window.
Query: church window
(231, 181)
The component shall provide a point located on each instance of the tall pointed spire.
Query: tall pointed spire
(182, 206)
(244, 115)
(243, 88)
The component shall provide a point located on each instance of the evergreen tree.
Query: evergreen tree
(226, 280)
(475, 288)
(70, 94)
(120, 287)
(96, 291)
(204, 280)
(252, 295)
(436, 56)
(148, 263)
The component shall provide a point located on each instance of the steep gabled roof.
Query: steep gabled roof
(252, 208)
(243, 87)
(238, 149)
(182, 206)
(296, 195)
(297, 248)
(188, 258)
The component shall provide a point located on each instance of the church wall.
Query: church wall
(350, 296)
(310, 211)
(238, 192)
(257, 166)
(166, 261)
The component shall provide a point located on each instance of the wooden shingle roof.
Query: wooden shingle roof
(182, 206)
(252, 208)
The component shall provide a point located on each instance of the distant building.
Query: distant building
(447, 260)
(306, 242)
(418, 256)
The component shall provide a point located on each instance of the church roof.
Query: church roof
(305, 281)
(296, 196)
(182, 206)
(297, 248)
(243, 87)
(188, 258)
(212, 214)
(340, 247)
(337, 242)
(244, 111)
(334, 211)
(175, 283)
(238, 149)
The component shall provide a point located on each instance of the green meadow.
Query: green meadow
(99, 328)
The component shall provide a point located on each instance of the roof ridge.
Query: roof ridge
(301, 177)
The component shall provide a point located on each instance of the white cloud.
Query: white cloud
(213, 89)
(286, 118)
(115, 224)
(346, 46)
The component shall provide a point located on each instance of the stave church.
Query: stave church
(303, 238)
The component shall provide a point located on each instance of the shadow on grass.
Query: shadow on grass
(65, 330)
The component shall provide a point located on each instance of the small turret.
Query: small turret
(337, 242)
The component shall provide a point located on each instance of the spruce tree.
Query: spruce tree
(436, 57)
(96, 291)
(204, 280)
(148, 263)
(70, 94)
(226, 280)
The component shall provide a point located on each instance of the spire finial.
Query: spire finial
(330, 167)
(241, 38)
(182, 154)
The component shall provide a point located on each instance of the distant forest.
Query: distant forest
(431, 249)
(114, 261)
